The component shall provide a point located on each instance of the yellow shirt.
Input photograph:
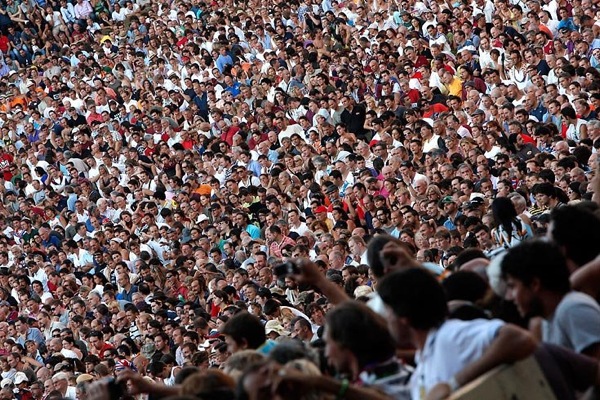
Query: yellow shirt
(455, 87)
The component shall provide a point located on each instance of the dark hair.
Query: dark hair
(465, 285)
(375, 246)
(287, 351)
(577, 230)
(538, 259)
(244, 327)
(355, 327)
(416, 294)
(505, 214)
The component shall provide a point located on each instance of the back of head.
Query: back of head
(238, 362)
(355, 327)
(504, 212)
(537, 260)
(577, 230)
(209, 384)
(415, 294)
(288, 350)
(465, 285)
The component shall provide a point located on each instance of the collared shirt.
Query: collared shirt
(32, 334)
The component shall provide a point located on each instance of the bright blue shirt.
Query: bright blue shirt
(223, 61)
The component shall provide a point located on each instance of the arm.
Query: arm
(512, 344)
(583, 132)
(292, 382)
(587, 278)
(310, 274)
(31, 361)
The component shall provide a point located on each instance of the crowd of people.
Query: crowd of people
(304, 199)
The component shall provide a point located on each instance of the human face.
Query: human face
(232, 345)
(337, 356)
(523, 296)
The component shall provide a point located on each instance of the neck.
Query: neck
(419, 338)
(549, 303)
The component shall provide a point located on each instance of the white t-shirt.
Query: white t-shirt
(449, 349)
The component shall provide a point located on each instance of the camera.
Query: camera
(285, 269)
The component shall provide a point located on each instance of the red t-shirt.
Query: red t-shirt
(4, 43)
(5, 161)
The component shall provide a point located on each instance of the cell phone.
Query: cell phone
(286, 269)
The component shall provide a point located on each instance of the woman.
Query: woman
(218, 303)
(574, 192)
(510, 229)
(100, 281)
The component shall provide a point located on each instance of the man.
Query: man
(245, 331)
(16, 363)
(545, 197)
(537, 280)
(97, 345)
(127, 288)
(277, 240)
(161, 344)
(303, 330)
(359, 345)
(296, 225)
(47, 325)
(61, 384)
(416, 312)
(358, 249)
(26, 333)
(55, 346)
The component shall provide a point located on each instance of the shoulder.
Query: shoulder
(576, 300)
(469, 332)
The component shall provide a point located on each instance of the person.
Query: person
(510, 229)
(130, 149)
(359, 345)
(416, 313)
(245, 331)
(537, 281)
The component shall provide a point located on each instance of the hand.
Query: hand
(395, 257)
(309, 272)
(438, 392)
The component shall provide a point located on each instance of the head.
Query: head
(243, 331)
(532, 270)
(414, 300)
(355, 337)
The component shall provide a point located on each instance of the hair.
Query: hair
(416, 294)
(376, 244)
(209, 384)
(245, 328)
(537, 259)
(238, 362)
(577, 230)
(465, 285)
(505, 214)
(355, 327)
